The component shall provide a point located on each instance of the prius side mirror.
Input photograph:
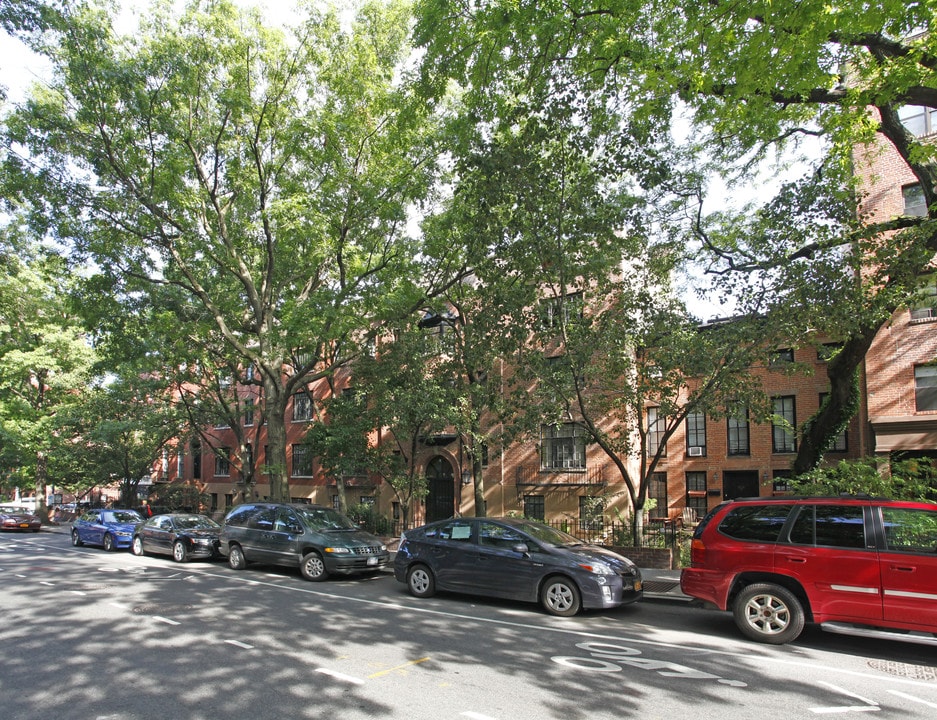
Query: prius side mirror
(521, 548)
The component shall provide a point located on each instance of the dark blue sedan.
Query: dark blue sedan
(515, 559)
(109, 529)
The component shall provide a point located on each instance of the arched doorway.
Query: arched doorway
(440, 480)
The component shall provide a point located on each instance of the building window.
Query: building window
(918, 120)
(302, 461)
(782, 429)
(657, 491)
(656, 427)
(223, 462)
(914, 203)
(784, 356)
(839, 443)
(925, 304)
(696, 434)
(180, 463)
(925, 388)
(737, 433)
(696, 492)
(366, 500)
(562, 447)
(302, 407)
(781, 482)
(248, 412)
(535, 508)
(591, 512)
(558, 312)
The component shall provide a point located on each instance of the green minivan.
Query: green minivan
(319, 540)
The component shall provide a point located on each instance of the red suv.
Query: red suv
(856, 565)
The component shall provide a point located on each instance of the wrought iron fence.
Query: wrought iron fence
(657, 533)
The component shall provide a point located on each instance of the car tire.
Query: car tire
(420, 581)
(560, 596)
(136, 547)
(236, 558)
(179, 551)
(768, 613)
(108, 542)
(313, 567)
(76, 539)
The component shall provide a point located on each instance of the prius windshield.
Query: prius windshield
(325, 519)
(548, 535)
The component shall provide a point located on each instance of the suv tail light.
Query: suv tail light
(697, 552)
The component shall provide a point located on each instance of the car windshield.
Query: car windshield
(122, 516)
(196, 522)
(326, 519)
(548, 535)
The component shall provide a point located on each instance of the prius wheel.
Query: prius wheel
(108, 542)
(179, 553)
(560, 596)
(768, 613)
(76, 539)
(313, 567)
(421, 582)
(136, 547)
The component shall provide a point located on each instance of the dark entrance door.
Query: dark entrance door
(440, 479)
(739, 483)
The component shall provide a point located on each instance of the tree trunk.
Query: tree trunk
(276, 465)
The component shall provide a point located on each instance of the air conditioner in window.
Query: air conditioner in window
(695, 451)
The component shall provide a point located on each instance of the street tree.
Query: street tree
(752, 80)
(266, 175)
(45, 360)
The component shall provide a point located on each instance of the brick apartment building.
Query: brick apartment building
(559, 477)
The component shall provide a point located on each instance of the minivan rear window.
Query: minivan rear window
(760, 523)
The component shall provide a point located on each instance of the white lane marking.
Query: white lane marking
(238, 643)
(160, 618)
(118, 606)
(78, 592)
(340, 676)
(912, 698)
(870, 705)
(45, 582)
(477, 716)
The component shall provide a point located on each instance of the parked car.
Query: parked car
(185, 536)
(19, 519)
(317, 539)
(855, 565)
(108, 528)
(515, 559)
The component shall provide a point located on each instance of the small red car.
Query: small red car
(855, 565)
(20, 520)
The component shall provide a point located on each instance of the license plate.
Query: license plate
(372, 561)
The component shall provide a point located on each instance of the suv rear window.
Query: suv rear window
(761, 523)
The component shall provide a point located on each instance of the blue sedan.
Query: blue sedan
(108, 528)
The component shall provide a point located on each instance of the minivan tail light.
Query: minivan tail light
(697, 552)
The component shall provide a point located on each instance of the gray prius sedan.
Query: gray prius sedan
(517, 560)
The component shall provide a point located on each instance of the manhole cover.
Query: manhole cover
(914, 672)
(161, 609)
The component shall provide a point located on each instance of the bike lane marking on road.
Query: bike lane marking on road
(913, 698)
(340, 676)
(869, 706)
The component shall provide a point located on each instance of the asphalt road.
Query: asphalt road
(88, 634)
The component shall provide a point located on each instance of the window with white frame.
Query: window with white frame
(918, 120)
(656, 427)
(925, 388)
(737, 428)
(782, 429)
(924, 306)
(302, 407)
(696, 434)
(248, 412)
(557, 312)
(562, 447)
(914, 203)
